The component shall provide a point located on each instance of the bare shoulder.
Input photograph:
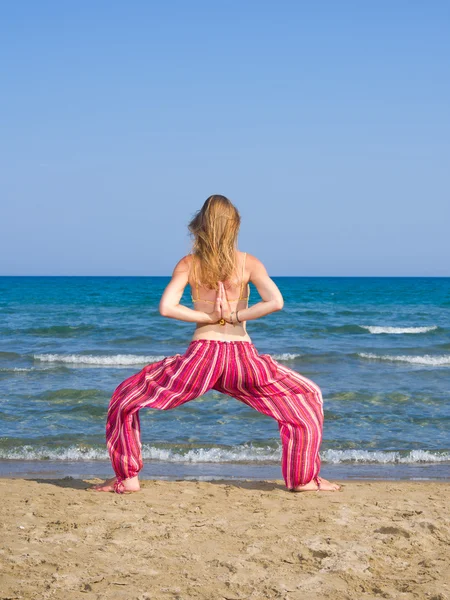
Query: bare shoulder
(184, 264)
(267, 288)
(254, 265)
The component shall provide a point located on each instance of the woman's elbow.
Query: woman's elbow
(165, 309)
(279, 303)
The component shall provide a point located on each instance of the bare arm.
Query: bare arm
(272, 300)
(170, 306)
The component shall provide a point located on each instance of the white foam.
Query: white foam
(380, 457)
(398, 330)
(115, 360)
(237, 454)
(245, 453)
(285, 356)
(74, 453)
(426, 359)
(120, 359)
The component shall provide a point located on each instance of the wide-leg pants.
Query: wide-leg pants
(234, 368)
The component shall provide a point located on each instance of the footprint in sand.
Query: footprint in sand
(393, 531)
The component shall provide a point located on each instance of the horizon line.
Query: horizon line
(278, 276)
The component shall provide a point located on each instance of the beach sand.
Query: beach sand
(223, 540)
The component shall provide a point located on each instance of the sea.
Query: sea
(378, 347)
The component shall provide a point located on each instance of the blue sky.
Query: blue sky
(327, 124)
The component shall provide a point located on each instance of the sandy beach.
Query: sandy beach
(223, 540)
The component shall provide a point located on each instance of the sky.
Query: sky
(326, 123)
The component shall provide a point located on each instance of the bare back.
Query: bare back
(237, 293)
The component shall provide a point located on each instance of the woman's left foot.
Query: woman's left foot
(318, 484)
(125, 485)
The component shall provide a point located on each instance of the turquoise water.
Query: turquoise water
(378, 347)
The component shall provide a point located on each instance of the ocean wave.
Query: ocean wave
(66, 394)
(383, 457)
(75, 453)
(426, 359)
(9, 355)
(245, 453)
(60, 330)
(116, 360)
(239, 454)
(285, 356)
(341, 329)
(378, 329)
(397, 330)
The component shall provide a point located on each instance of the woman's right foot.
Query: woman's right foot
(126, 485)
(318, 484)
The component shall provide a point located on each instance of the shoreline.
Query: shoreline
(159, 470)
(224, 540)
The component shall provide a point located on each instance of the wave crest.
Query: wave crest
(285, 356)
(398, 330)
(381, 457)
(60, 330)
(245, 453)
(426, 359)
(116, 360)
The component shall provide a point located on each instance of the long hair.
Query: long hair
(215, 229)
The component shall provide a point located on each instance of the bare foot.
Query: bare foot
(125, 486)
(318, 484)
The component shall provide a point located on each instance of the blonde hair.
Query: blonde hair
(215, 229)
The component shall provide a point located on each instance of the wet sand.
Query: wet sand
(230, 540)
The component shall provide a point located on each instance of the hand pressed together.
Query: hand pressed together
(216, 314)
(221, 307)
(225, 305)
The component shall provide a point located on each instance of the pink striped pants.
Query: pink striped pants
(232, 368)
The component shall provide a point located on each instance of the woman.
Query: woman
(220, 356)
